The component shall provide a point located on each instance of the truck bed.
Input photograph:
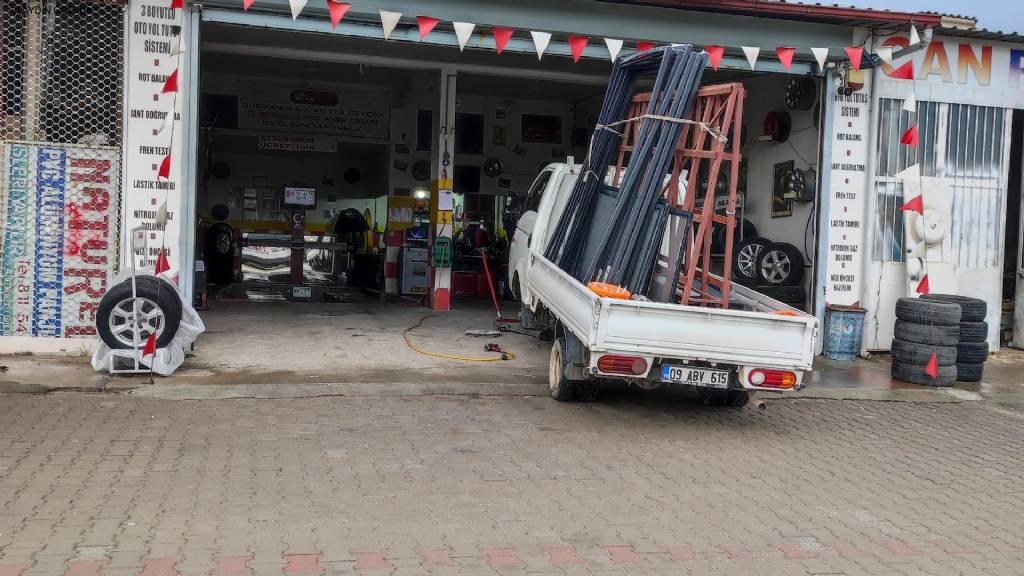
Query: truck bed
(754, 337)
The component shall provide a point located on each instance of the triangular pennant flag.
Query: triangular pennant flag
(165, 168)
(337, 10)
(426, 25)
(171, 84)
(540, 42)
(463, 31)
(905, 72)
(501, 37)
(162, 264)
(910, 137)
(161, 215)
(577, 44)
(246, 4)
(614, 47)
(923, 287)
(915, 204)
(167, 123)
(150, 348)
(177, 4)
(910, 103)
(932, 369)
(885, 53)
(752, 53)
(821, 55)
(715, 53)
(855, 54)
(644, 46)
(389, 20)
(915, 38)
(297, 6)
(786, 54)
(179, 47)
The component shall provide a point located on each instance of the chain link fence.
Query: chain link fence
(61, 126)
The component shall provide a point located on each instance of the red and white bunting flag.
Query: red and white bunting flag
(855, 54)
(614, 47)
(501, 37)
(167, 122)
(463, 31)
(752, 52)
(388, 20)
(150, 348)
(246, 4)
(644, 46)
(932, 369)
(426, 25)
(171, 84)
(910, 103)
(540, 42)
(162, 263)
(177, 3)
(885, 53)
(179, 46)
(337, 10)
(786, 54)
(905, 72)
(577, 44)
(821, 55)
(915, 38)
(164, 171)
(297, 7)
(915, 204)
(910, 137)
(715, 53)
(161, 215)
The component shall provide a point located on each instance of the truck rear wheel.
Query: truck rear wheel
(562, 388)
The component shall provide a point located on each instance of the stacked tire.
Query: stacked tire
(925, 328)
(972, 348)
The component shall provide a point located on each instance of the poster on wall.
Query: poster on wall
(59, 237)
(846, 203)
(154, 31)
(782, 205)
(359, 115)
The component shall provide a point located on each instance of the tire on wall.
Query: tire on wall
(781, 264)
(915, 374)
(929, 312)
(971, 309)
(926, 334)
(159, 310)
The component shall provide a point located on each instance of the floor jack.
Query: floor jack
(501, 323)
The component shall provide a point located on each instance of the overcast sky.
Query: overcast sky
(1000, 15)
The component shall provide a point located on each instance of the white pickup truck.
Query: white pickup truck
(726, 356)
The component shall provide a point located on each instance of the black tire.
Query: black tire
(562, 388)
(781, 264)
(587, 391)
(220, 254)
(973, 331)
(972, 352)
(971, 309)
(969, 372)
(928, 312)
(744, 228)
(746, 255)
(925, 334)
(724, 398)
(915, 374)
(114, 328)
(914, 353)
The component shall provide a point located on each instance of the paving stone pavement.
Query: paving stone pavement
(638, 484)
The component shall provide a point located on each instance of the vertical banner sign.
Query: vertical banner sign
(154, 30)
(60, 242)
(847, 204)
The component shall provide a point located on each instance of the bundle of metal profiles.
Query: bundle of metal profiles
(630, 242)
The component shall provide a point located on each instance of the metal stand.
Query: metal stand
(132, 357)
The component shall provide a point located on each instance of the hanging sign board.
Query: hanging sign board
(297, 143)
(400, 212)
(358, 115)
(59, 237)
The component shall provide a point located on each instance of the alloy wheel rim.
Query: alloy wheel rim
(138, 317)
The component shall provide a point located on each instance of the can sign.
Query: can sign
(59, 237)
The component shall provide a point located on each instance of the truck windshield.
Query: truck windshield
(537, 191)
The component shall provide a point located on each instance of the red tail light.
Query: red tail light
(630, 365)
(764, 378)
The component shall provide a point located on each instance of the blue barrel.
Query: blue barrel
(844, 326)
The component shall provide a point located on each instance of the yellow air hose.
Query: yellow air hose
(506, 355)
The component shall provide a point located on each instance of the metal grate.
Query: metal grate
(61, 124)
(962, 143)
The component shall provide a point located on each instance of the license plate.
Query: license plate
(704, 377)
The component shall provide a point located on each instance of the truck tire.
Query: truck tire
(914, 353)
(781, 264)
(928, 312)
(971, 309)
(969, 372)
(973, 331)
(562, 389)
(725, 398)
(159, 306)
(915, 374)
(587, 390)
(972, 352)
(745, 256)
(925, 334)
